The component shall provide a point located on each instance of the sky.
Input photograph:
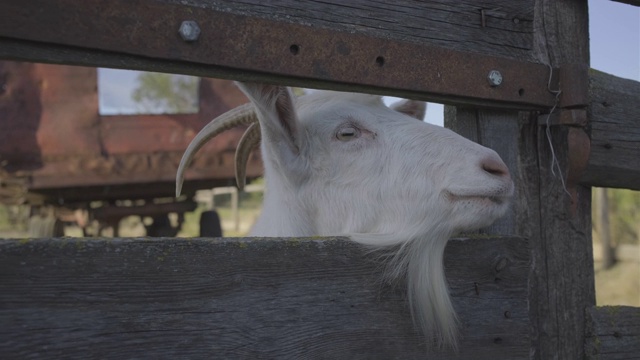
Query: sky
(115, 88)
(614, 30)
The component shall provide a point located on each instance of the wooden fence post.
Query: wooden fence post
(563, 283)
(549, 207)
(499, 130)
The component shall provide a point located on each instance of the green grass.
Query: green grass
(248, 212)
(13, 220)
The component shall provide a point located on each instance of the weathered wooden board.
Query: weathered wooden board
(563, 284)
(613, 333)
(438, 50)
(247, 298)
(491, 128)
(497, 27)
(615, 132)
(557, 220)
(563, 265)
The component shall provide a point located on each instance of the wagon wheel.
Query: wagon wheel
(161, 227)
(210, 224)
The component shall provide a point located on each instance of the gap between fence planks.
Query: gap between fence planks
(247, 298)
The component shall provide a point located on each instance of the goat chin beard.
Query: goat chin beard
(420, 260)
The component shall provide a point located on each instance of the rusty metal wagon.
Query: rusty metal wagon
(56, 149)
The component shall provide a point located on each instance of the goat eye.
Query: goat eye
(347, 133)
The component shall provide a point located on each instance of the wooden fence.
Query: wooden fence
(246, 298)
(323, 299)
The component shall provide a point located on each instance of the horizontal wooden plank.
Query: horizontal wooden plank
(613, 332)
(449, 46)
(614, 117)
(247, 298)
(481, 26)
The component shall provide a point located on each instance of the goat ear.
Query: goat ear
(276, 112)
(415, 109)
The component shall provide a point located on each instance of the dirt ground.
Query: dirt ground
(619, 285)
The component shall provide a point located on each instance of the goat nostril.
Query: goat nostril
(495, 167)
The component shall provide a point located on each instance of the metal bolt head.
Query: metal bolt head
(494, 77)
(189, 31)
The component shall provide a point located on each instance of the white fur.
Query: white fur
(402, 185)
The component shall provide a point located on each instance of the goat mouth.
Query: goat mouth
(497, 200)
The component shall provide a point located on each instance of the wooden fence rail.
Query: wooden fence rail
(613, 332)
(247, 298)
(354, 53)
(614, 119)
(300, 43)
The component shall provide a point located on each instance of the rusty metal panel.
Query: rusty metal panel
(121, 134)
(69, 120)
(46, 110)
(250, 47)
(53, 139)
(574, 82)
(20, 102)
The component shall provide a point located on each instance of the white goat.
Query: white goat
(345, 164)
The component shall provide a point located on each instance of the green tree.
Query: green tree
(625, 205)
(624, 211)
(166, 93)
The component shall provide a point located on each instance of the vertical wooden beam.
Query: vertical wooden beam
(514, 136)
(563, 286)
(549, 207)
(498, 130)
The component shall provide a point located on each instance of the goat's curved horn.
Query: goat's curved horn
(248, 142)
(242, 115)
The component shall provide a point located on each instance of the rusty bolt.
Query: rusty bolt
(494, 77)
(189, 31)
